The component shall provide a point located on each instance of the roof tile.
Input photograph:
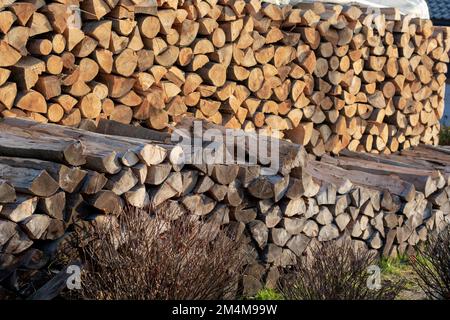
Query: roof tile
(439, 9)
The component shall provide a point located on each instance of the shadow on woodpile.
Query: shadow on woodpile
(432, 265)
(336, 270)
(142, 256)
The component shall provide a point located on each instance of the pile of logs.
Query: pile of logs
(329, 77)
(409, 194)
(53, 177)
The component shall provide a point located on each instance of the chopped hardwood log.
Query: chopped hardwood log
(122, 182)
(69, 178)
(214, 74)
(137, 196)
(22, 208)
(8, 92)
(31, 101)
(8, 55)
(401, 188)
(30, 181)
(117, 86)
(106, 201)
(118, 129)
(48, 86)
(7, 192)
(60, 150)
(90, 106)
(93, 182)
(54, 205)
(198, 204)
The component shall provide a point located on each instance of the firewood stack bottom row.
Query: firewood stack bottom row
(54, 179)
(329, 77)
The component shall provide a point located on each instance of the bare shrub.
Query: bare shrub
(432, 265)
(147, 257)
(335, 271)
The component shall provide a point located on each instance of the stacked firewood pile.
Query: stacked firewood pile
(54, 177)
(328, 77)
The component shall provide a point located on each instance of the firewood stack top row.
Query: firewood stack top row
(56, 179)
(329, 77)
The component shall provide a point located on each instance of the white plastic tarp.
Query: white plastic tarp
(417, 8)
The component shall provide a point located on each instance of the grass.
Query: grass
(401, 268)
(394, 266)
(422, 259)
(268, 294)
